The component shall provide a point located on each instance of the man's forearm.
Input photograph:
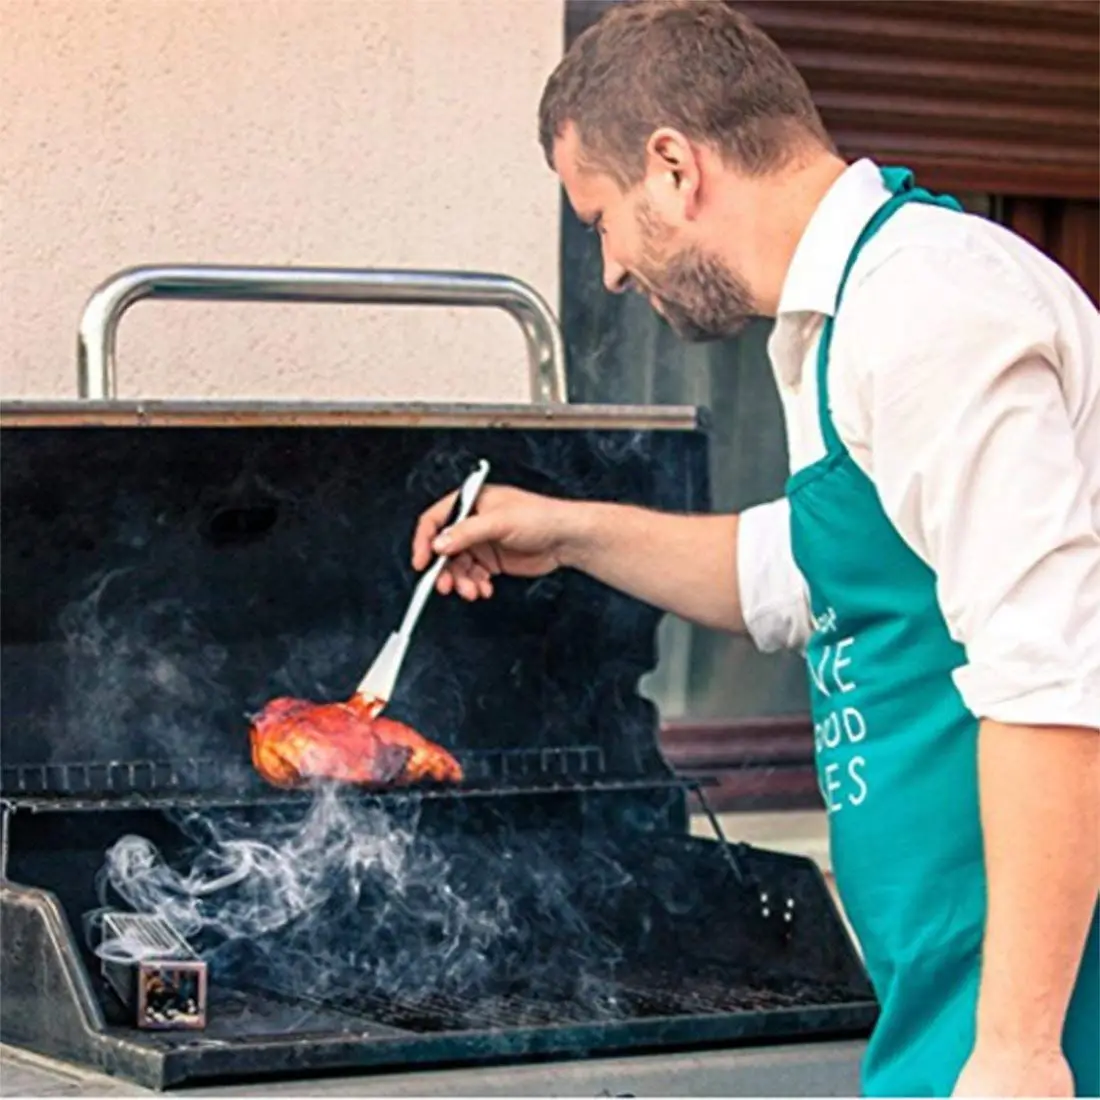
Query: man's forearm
(1041, 828)
(683, 564)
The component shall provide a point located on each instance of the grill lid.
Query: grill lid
(158, 584)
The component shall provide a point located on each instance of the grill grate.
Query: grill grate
(643, 993)
(199, 776)
(112, 777)
(512, 765)
(197, 783)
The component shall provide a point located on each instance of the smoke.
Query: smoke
(615, 448)
(442, 470)
(136, 665)
(349, 899)
(240, 886)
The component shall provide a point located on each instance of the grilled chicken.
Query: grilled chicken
(295, 741)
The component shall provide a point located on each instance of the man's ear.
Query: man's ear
(673, 175)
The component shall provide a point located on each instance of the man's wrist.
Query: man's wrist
(1010, 1017)
(582, 527)
(1019, 1026)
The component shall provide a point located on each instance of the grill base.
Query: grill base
(253, 1036)
(717, 973)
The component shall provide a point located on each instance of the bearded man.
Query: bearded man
(937, 552)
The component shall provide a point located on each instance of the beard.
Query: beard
(695, 292)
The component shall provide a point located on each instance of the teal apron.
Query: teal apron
(896, 753)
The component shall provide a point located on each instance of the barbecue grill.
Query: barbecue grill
(168, 567)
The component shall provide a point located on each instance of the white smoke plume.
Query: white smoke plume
(352, 898)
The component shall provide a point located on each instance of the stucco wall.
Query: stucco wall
(313, 132)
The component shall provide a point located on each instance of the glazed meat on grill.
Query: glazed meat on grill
(295, 741)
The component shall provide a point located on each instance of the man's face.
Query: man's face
(650, 246)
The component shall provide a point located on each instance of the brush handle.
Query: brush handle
(381, 677)
(420, 595)
(467, 497)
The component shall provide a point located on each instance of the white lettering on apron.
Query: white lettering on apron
(842, 782)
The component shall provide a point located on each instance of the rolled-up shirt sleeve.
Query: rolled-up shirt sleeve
(976, 461)
(774, 599)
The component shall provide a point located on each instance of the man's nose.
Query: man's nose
(615, 276)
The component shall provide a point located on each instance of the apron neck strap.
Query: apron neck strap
(902, 187)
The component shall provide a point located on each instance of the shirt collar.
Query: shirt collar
(813, 279)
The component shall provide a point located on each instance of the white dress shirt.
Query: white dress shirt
(964, 380)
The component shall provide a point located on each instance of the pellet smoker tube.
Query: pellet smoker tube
(96, 366)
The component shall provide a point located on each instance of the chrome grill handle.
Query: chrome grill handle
(96, 363)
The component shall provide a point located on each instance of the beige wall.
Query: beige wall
(313, 132)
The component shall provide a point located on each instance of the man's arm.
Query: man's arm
(726, 572)
(733, 572)
(1039, 795)
(683, 564)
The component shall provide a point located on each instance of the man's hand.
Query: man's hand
(511, 532)
(1003, 1070)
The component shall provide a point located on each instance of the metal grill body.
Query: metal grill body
(159, 582)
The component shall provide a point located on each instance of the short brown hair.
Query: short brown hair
(696, 65)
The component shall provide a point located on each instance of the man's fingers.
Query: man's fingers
(469, 533)
(428, 527)
(480, 576)
(462, 567)
(472, 580)
(472, 559)
(466, 578)
(486, 556)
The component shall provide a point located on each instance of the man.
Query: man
(938, 550)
